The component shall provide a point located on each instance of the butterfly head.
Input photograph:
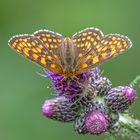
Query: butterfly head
(69, 73)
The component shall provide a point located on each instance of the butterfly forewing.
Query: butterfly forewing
(109, 47)
(84, 41)
(52, 41)
(33, 49)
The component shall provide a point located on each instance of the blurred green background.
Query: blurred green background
(22, 91)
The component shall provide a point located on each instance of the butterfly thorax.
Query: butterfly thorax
(68, 57)
(69, 73)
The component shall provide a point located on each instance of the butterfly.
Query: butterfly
(69, 56)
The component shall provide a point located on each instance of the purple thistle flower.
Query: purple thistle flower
(71, 87)
(96, 122)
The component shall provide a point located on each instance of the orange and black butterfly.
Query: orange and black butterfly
(70, 56)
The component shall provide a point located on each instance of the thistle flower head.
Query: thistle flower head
(93, 120)
(71, 87)
(96, 122)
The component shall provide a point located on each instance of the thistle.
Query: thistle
(68, 87)
(120, 98)
(93, 120)
(92, 104)
(99, 83)
(59, 109)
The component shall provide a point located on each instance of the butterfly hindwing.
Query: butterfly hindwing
(109, 47)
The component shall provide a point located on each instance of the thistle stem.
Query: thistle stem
(112, 137)
(127, 122)
(136, 82)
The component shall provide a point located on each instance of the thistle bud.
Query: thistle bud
(59, 109)
(120, 98)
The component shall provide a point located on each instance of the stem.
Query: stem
(99, 99)
(112, 137)
(136, 82)
(127, 122)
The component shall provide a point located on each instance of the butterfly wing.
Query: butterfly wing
(109, 47)
(52, 41)
(84, 41)
(34, 49)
